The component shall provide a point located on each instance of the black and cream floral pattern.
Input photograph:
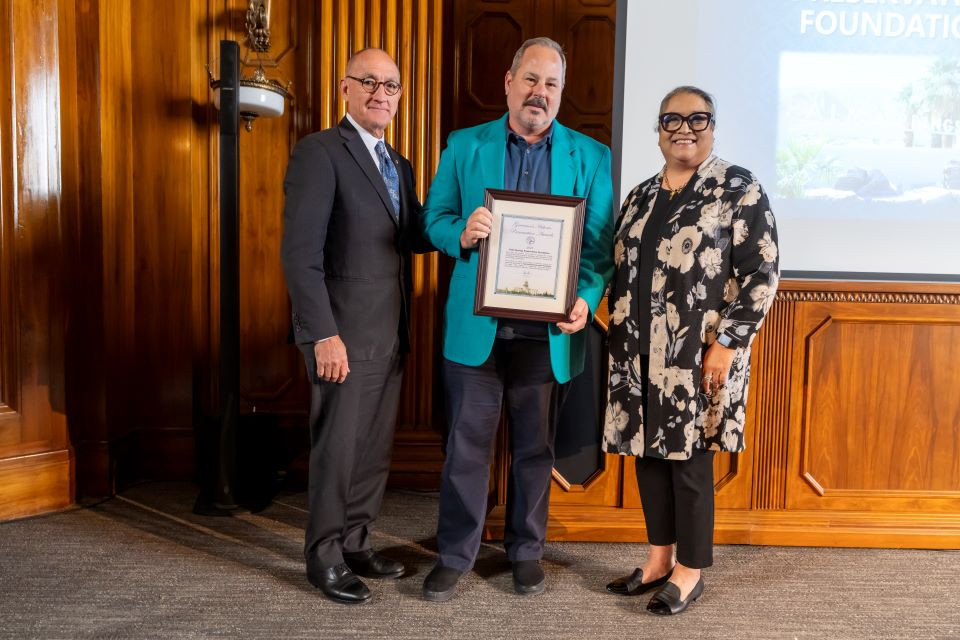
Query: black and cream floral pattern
(716, 271)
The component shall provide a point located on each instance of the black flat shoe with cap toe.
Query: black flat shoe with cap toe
(667, 602)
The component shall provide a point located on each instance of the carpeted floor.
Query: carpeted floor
(143, 566)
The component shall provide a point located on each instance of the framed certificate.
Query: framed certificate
(530, 261)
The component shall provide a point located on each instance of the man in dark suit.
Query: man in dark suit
(351, 219)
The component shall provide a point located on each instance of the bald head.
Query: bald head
(372, 111)
(359, 57)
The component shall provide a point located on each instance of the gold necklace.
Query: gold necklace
(673, 192)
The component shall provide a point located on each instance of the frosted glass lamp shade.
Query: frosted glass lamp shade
(256, 100)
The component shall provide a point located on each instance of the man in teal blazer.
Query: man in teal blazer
(491, 362)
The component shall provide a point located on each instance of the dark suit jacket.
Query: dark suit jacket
(345, 255)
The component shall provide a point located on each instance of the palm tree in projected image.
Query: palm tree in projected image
(911, 104)
(801, 164)
(941, 98)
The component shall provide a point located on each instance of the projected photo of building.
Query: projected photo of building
(877, 128)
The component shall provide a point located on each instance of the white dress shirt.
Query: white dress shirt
(369, 140)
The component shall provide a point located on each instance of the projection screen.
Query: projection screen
(847, 110)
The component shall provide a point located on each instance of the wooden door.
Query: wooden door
(36, 460)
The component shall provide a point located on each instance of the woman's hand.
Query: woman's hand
(716, 367)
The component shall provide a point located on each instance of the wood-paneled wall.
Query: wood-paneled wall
(108, 289)
(139, 183)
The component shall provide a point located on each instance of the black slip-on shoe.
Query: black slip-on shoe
(667, 602)
(528, 578)
(440, 584)
(633, 584)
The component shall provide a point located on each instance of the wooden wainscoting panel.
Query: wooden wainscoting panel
(602, 488)
(880, 418)
(732, 476)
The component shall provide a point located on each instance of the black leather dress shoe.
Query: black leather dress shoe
(371, 564)
(528, 578)
(667, 602)
(633, 584)
(440, 584)
(340, 584)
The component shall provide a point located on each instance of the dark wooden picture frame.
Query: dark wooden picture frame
(577, 208)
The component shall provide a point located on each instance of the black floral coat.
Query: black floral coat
(716, 272)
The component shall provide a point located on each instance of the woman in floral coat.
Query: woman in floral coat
(696, 272)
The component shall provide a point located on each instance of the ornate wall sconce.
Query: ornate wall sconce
(259, 95)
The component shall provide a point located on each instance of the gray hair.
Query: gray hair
(697, 91)
(542, 41)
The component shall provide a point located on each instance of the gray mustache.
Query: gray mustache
(536, 102)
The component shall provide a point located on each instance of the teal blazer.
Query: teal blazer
(473, 161)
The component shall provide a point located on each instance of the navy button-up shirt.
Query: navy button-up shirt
(526, 167)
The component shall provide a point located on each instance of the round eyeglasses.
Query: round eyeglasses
(697, 121)
(390, 87)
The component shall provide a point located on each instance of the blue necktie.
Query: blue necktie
(390, 177)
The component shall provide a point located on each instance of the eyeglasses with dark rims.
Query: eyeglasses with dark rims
(391, 87)
(697, 121)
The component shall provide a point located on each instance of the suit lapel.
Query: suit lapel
(490, 155)
(354, 144)
(564, 156)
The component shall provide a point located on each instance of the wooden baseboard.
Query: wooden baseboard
(34, 484)
(867, 529)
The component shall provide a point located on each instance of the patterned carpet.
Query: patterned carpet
(143, 566)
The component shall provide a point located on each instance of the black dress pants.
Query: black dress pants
(519, 373)
(677, 500)
(351, 439)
